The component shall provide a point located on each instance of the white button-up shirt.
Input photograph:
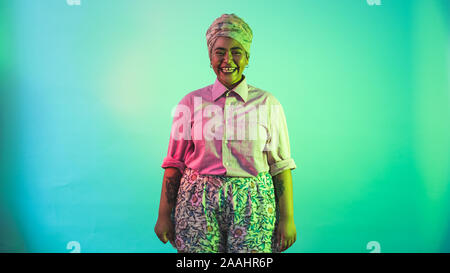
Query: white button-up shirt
(239, 132)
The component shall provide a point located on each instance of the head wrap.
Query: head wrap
(229, 25)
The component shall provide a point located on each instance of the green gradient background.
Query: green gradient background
(87, 92)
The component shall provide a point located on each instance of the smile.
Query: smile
(228, 69)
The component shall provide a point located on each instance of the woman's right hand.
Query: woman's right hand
(164, 229)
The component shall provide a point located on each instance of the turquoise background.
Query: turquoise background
(87, 91)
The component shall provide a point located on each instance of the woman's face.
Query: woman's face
(228, 59)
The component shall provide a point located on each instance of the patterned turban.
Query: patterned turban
(229, 25)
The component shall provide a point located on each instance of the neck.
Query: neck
(229, 87)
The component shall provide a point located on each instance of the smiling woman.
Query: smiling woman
(231, 192)
(228, 61)
(228, 38)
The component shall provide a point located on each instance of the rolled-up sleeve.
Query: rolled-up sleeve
(278, 153)
(180, 137)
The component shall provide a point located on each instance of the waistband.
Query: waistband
(192, 174)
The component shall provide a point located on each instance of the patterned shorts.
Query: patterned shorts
(225, 214)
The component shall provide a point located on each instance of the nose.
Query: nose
(227, 58)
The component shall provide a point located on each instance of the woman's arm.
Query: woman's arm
(286, 232)
(164, 227)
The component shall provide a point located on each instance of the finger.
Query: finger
(279, 241)
(289, 244)
(161, 238)
(172, 239)
(169, 235)
(286, 244)
(172, 242)
(282, 243)
(280, 246)
(164, 238)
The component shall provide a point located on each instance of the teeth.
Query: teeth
(228, 69)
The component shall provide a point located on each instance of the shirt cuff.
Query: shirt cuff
(171, 162)
(280, 166)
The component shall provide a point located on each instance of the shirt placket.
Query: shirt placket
(226, 157)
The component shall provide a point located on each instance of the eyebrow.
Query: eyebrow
(233, 48)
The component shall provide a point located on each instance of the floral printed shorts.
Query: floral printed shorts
(225, 214)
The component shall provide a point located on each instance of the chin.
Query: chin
(229, 82)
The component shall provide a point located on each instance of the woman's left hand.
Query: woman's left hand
(286, 233)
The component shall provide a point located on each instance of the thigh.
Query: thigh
(254, 215)
(196, 227)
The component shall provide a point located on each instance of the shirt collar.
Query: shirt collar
(241, 89)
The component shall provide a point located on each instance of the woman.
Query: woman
(227, 183)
